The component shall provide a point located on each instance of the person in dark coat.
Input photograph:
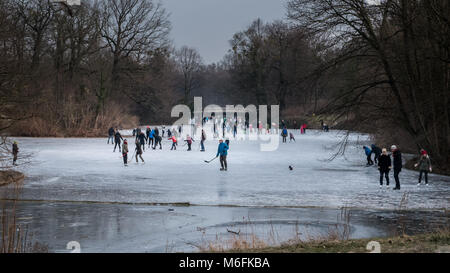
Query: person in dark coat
(117, 139)
(202, 141)
(111, 135)
(138, 132)
(141, 139)
(398, 165)
(377, 153)
(385, 166)
(15, 151)
(156, 137)
(138, 149)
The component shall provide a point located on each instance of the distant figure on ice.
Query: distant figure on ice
(134, 132)
(147, 135)
(424, 165)
(117, 138)
(202, 141)
(385, 166)
(138, 132)
(377, 151)
(163, 130)
(326, 128)
(368, 152)
(158, 140)
(398, 164)
(169, 133)
(284, 134)
(303, 129)
(291, 137)
(141, 140)
(15, 152)
(125, 152)
(222, 151)
(189, 142)
(138, 149)
(174, 143)
(111, 135)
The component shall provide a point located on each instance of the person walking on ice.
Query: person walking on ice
(222, 151)
(117, 138)
(202, 142)
(139, 151)
(125, 152)
(15, 152)
(284, 134)
(398, 164)
(142, 139)
(424, 165)
(111, 135)
(385, 166)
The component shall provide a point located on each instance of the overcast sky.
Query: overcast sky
(208, 25)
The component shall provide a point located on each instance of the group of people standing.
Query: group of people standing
(385, 164)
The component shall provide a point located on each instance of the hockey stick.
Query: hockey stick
(211, 160)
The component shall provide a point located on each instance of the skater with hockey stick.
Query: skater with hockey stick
(222, 151)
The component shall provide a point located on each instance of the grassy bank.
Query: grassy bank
(436, 242)
(8, 177)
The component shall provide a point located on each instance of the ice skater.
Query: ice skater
(424, 165)
(291, 137)
(189, 141)
(141, 140)
(111, 135)
(15, 152)
(284, 134)
(174, 143)
(138, 150)
(125, 152)
(222, 151)
(158, 140)
(368, 152)
(398, 165)
(117, 138)
(384, 166)
(202, 141)
(377, 153)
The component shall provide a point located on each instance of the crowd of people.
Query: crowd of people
(383, 161)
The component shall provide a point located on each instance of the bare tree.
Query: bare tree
(132, 28)
(189, 63)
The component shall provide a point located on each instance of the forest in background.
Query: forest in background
(380, 67)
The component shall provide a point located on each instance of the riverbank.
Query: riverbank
(436, 242)
(7, 177)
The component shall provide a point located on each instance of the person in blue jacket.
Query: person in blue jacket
(223, 152)
(368, 152)
(151, 137)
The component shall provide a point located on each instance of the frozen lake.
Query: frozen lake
(78, 189)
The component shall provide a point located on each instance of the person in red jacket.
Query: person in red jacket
(174, 142)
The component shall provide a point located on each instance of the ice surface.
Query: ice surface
(88, 170)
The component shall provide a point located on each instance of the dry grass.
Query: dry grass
(15, 238)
